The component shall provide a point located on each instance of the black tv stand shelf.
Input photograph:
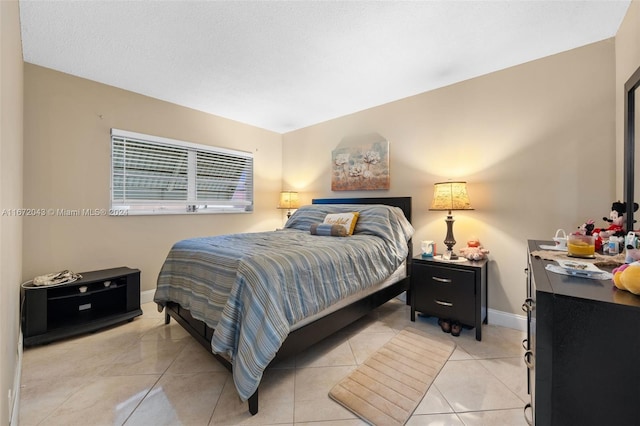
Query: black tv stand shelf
(99, 299)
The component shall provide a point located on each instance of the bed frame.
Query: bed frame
(304, 337)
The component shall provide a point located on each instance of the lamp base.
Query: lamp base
(449, 240)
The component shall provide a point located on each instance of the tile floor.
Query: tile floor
(148, 373)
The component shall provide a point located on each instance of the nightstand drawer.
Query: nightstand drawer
(445, 277)
(445, 292)
(447, 304)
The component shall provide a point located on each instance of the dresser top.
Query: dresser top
(572, 286)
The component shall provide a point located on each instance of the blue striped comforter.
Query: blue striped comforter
(252, 288)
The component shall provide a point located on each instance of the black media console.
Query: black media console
(99, 299)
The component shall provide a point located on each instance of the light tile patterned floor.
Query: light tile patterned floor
(148, 373)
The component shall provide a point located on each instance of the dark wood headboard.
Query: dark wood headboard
(403, 202)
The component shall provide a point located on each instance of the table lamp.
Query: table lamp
(288, 200)
(450, 196)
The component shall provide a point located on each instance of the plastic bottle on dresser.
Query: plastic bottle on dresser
(614, 245)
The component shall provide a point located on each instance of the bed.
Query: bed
(277, 293)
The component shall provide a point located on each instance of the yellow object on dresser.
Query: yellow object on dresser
(581, 245)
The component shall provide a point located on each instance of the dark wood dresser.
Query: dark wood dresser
(582, 349)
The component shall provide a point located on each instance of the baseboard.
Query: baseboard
(146, 296)
(14, 403)
(506, 319)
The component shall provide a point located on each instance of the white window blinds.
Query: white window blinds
(153, 175)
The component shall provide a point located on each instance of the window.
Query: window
(153, 175)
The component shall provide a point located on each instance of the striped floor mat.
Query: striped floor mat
(387, 387)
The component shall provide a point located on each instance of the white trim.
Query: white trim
(146, 296)
(506, 319)
(14, 405)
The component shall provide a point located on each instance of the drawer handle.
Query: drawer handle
(527, 306)
(528, 359)
(529, 420)
(525, 344)
(440, 302)
(442, 280)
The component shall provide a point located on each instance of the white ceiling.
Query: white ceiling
(284, 65)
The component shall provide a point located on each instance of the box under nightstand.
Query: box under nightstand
(451, 290)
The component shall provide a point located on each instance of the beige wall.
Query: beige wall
(535, 142)
(67, 166)
(627, 61)
(11, 98)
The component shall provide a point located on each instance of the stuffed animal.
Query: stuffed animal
(616, 220)
(627, 277)
(587, 228)
(474, 250)
(631, 255)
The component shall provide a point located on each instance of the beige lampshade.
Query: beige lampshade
(288, 200)
(450, 196)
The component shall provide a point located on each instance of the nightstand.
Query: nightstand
(450, 290)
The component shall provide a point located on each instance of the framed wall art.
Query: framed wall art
(361, 164)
